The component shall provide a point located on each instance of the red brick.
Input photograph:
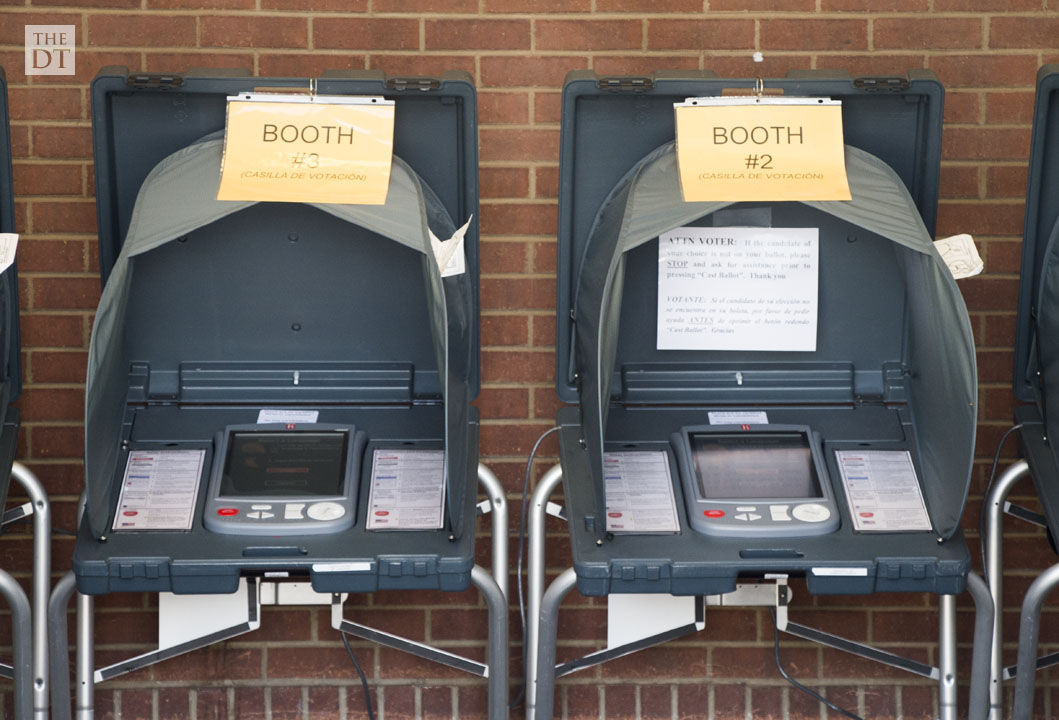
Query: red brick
(1006, 181)
(546, 182)
(56, 442)
(743, 65)
(814, 34)
(89, 63)
(51, 255)
(924, 33)
(504, 330)
(212, 662)
(693, 701)
(149, 30)
(507, 440)
(962, 107)
(51, 330)
(729, 701)
(37, 179)
(641, 65)
(541, 6)
(518, 293)
(502, 71)
(1003, 256)
(420, 64)
(202, 4)
(766, 703)
(518, 219)
(583, 702)
(311, 64)
(959, 181)
(648, 6)
(320, 6)
(875, 5)
(13, 29)
(543, 331)
(40, 404)
(767, 5)
(706, 33)
(503, 257)
(964, 70)
(503, 182)
(546, 403)
(44, 103)
(425, 6)
(999, 330)
(176, 61)
(979, 218)
(985, 144)
(65, 293)
(620, 702)
(1008, 108)
(62, 142)
(254, 32)
(437, 703)
(987, 5)
(503, 403)
(367, 34)
(486, 34)
(547, 107)
(1022, 32)
(511, 366)
(593, 35)
(503, 108)
(68, 216)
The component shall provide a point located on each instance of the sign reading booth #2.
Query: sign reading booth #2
(297, 148)
(761, 148)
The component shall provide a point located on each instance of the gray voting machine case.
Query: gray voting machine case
(893, 367)
(10, 357)
(213, 312)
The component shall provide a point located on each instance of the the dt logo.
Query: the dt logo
(49, 49)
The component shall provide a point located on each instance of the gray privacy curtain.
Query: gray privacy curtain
(940, 347)
(180, 195)
(1047, 338)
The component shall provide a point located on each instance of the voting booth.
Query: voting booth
(1036, 387)
(710, 443)
(281, 390)
(29, 668)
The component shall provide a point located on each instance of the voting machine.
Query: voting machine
(753, 446)
(1036, 388)
(274, 386)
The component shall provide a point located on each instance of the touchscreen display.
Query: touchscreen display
(284, 464)
(754, 466)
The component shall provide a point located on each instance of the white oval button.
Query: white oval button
(325, 511)
(811, 512)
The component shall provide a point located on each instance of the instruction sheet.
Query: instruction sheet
(738, 288)
(882, 490)
(159, 490)
(407, 490)
(639, 492)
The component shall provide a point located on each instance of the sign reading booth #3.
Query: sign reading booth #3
(296, 148)
(761, 148)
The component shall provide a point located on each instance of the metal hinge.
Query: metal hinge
(413, 83)
(881, 84)
(626, 84)
(147, 80)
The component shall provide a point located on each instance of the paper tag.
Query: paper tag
(324, 149)
(159, 490)
(960, 255)
(882, 490)
(449, 253)
(738, 288)
(738, 417)
(761, 148)
(8, 246)
(639, 492)
(280, 415)
(407, 490)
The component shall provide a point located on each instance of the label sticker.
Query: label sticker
(639, 492)
(280, 415)
(882, 490)
(407, 490)
(159, 490)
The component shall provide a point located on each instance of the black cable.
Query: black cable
(795, 683)
(363, 678)
(988, 492)
(521, 542)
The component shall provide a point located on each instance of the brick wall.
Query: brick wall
(986, 53)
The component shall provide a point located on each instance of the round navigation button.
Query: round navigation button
(713, 513)
(228, 512)
(325, 511)
(811, 512)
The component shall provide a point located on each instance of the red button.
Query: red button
(713, 513)
(228, 511)
(614, 514)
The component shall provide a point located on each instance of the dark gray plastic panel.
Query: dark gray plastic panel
(11, 368)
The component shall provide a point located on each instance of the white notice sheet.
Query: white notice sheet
(639, 492)
(882, 490)
(738, 288)
(407, 490)
(159, 490)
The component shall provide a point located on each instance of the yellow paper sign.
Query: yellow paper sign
(761, 149)
(324, 149)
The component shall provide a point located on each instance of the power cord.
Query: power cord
(989, 491)
(521, 542)
(363, 678)
(795, 683)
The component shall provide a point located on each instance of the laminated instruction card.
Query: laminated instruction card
(738, 288)
(882, 490)
(639, 492)
(159, 490)
(407, 490)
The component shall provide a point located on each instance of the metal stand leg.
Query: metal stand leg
(984, 610)
(1029, 628)
(495, 491)
(543, 692)
(535, 579)
(993, 507)
(947, 657)
(41, 584)
(86, 689)
(59, 650)
(498, 644)
(22, 644)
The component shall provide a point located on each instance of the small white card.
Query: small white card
(281, 415)
(639, 492)
(882, 490)
(407, 490)
(738, 417)
(738, 288)
(8, 246)
(960, 255)
(449, 254)
(159, 490)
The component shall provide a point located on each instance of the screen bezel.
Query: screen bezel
(341, 455)
(802, 441)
